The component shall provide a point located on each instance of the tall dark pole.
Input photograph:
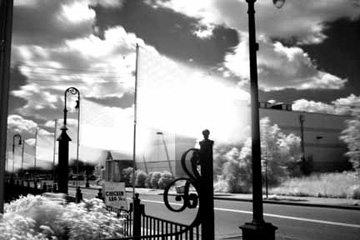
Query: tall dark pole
(36, 142)
(255, 125)
(63, 155)
(22, 156)
(257, 229)
(6, 12)
(135, 117)
(303, 160)
(63, 162)
(13, 150)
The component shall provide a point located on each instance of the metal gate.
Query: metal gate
(197, 192)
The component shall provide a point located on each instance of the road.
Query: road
(294, 222)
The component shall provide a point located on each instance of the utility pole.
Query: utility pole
(6, 12)
(303, 159)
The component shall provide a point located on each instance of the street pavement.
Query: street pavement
(276, 201)
(344, 203)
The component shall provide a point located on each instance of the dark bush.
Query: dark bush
(140, 177)
(154, 180)
(127, 175)
(165, 179)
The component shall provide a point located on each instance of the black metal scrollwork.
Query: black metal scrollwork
(72, 90)
(189, 199)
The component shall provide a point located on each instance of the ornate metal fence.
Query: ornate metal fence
(197, 193)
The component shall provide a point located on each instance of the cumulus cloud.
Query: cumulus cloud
(341, 106)
(280, 67)
(97, 67)
(309, 17)
(109, 3)
(312, 106)
(21, 125)
(56, 49)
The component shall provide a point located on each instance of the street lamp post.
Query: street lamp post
(22, 156)
(13, 151)
(258, 228)
(63, 156)
(75, 91)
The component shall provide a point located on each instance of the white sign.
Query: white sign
(115, 194)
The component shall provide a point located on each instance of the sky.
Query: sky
(193, 67)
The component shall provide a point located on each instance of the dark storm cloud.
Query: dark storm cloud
(169, 32)
(50, 27)
(339, 54)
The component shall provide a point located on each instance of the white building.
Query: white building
(319, 133)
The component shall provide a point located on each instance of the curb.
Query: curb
(287, 202)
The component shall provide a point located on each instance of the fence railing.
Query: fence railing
(143, 226)
(198, 167)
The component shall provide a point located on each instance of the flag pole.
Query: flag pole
(135, 117)
(54, 153)
(36, 142)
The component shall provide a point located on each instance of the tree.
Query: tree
(280, 152)
(351, 136)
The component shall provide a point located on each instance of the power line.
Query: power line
(67, 69)
(102, 82)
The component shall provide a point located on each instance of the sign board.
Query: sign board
(115, 194)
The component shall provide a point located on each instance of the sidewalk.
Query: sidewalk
(343, 203)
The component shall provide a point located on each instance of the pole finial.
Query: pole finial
(206, 133)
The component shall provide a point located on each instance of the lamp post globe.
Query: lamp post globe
(279, 3)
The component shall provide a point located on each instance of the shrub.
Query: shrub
(127, 175)
(339, 185)
(140, 177)
(350, 136)
(221, 185)
(165, 179)
(356, 192)
(148, 180)
(154, 180)
(39, 218)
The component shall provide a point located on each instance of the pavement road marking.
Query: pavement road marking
(274, 215)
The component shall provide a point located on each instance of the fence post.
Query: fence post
(100, 195)
(137, 208)
(207, 188)
(78, 195)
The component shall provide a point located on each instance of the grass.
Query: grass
(334, 185)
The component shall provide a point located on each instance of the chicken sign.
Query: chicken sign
(115, 194)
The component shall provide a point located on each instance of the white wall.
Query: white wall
(321, 135)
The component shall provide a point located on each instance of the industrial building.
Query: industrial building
(319, 135)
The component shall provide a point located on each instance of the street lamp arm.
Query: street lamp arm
(73, 91)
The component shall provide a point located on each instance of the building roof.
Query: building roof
(114, 155)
